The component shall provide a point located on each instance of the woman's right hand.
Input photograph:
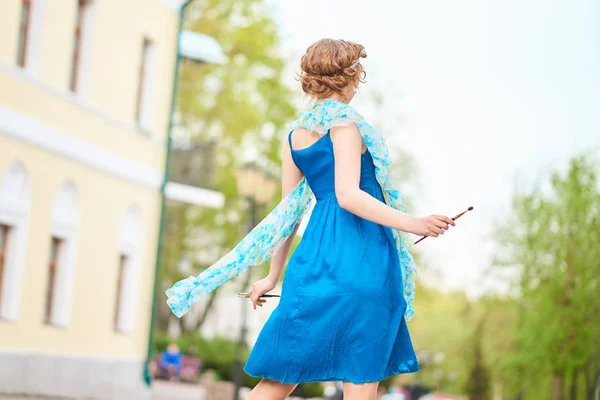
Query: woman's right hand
(433, 225)
(259, 288)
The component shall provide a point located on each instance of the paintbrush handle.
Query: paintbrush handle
(458, 216)
(423, 238)
(453, 219)
(245, 295)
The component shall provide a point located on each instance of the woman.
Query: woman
(341, 313)
(349, 284)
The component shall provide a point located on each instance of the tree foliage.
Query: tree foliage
(479, 383)
(243, 107)
(552, 243)
(539, 341)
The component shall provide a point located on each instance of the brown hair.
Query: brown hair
(330, 65)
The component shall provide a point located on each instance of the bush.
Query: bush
(161, 341)
(217, 354)
(309, 389)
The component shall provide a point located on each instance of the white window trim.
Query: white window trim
(131, 245)
(16, 216)
(148, 83)
(128, 299)
(86, 50)
(64, 226)
(34, 37)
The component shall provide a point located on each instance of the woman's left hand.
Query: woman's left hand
(258, 289)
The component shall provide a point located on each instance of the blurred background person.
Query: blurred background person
(170, 363)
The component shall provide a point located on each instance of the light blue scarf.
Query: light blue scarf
(267, 238)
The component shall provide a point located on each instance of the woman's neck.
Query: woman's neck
(334, 96)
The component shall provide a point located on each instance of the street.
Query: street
(161, 390)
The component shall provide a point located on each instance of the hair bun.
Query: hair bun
(330, 65)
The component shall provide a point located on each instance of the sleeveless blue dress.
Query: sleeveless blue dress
(341, 312)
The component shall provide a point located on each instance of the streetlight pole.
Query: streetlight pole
(150, 350)
(258, 188)
(238, 373)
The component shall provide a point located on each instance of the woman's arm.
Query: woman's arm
(348, 148)
(291, 175)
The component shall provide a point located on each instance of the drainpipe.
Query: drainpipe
(155, 292)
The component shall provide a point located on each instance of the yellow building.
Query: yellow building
(85, 99)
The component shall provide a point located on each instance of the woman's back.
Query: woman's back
(313, 155)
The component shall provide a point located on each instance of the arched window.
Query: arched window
(128, 271)
(61, 265)
(15, 201)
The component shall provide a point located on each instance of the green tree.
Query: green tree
(499, 316)
(552, 242)
(438, 333)
(478, 385)
(243, 107)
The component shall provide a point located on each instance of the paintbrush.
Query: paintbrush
(453, 219)
(246, 296)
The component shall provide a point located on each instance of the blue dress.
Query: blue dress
(341, 312)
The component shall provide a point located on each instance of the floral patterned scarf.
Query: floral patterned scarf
(269, 235)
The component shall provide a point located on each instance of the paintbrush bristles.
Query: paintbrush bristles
(462, 213)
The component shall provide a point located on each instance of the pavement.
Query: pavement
(161, 390)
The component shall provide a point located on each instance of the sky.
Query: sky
(488, 97)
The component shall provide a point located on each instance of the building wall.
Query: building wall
(90, 140)
(105, 114)
(103, 203)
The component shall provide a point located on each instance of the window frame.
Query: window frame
(15, 205)
(142, 81)
(76, 57)
(131, 245)
(6, 232)
(24, 31)
(53, 266)
(124, 260)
